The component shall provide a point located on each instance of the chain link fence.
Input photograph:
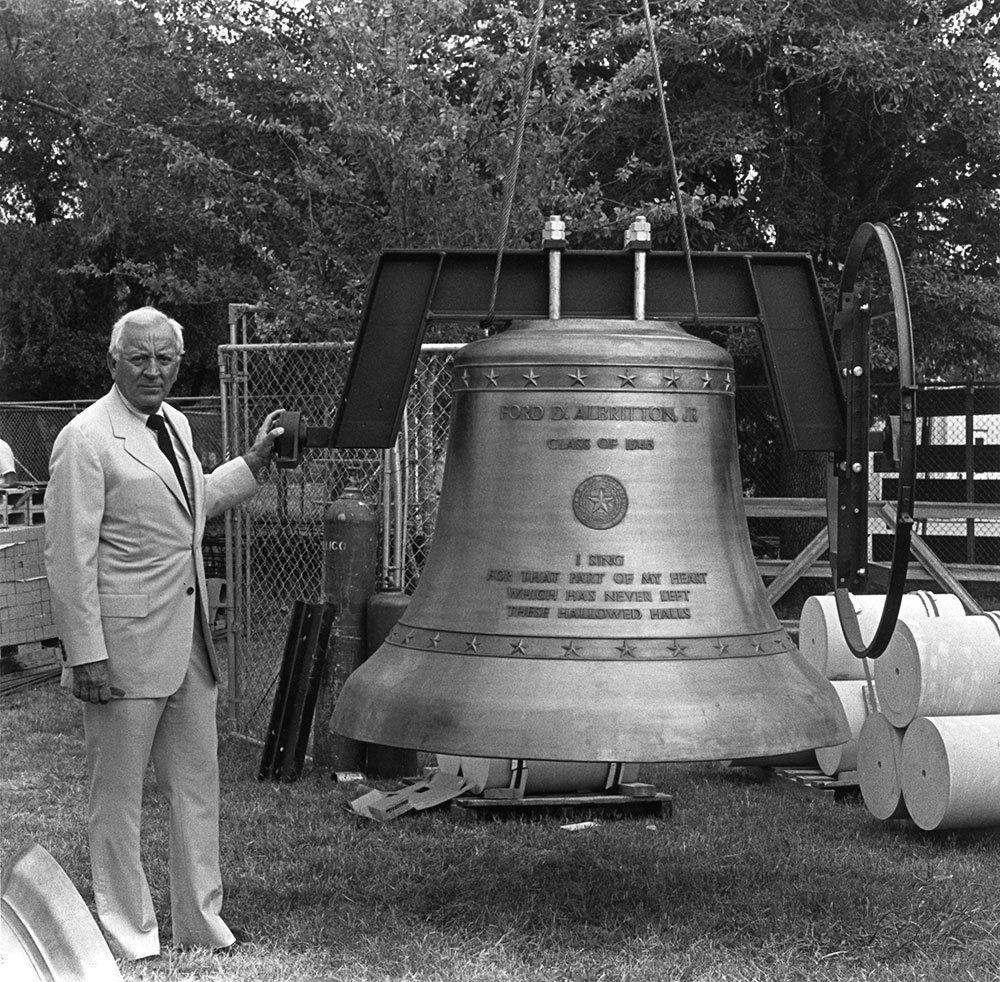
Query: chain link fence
(763, 463)
(30, 428)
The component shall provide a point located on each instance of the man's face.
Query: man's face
(147, 367)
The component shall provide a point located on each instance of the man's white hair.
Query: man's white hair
(143, 317)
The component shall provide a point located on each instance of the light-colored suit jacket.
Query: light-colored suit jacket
(123, 550)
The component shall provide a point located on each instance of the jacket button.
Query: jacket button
(190, 590)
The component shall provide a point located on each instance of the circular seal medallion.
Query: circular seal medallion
(600, 502)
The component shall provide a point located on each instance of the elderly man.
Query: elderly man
(125, 512)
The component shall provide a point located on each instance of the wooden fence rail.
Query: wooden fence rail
(928, 567)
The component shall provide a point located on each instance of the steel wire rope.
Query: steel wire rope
(510, 178)
(685, 244)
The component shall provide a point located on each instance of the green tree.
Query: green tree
(192, 153)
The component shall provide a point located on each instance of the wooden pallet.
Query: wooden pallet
(606, 806)
(812, 780)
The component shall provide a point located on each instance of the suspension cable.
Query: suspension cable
(510, 178)
(685, 244)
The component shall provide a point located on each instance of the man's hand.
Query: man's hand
(92, 684)
(259, 455)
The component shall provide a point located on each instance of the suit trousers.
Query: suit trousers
(179, 734)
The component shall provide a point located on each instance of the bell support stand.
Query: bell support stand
(847, 489)
(777, 293)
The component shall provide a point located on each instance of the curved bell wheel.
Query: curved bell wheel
(46, 931)
(847, 498)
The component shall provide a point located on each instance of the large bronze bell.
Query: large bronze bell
(591, 593)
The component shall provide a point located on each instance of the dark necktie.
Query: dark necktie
(158, 425)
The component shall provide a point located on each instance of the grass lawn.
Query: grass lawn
(747, 881)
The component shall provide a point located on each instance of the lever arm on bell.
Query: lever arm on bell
(297, 436)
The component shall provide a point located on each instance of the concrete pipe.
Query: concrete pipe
(822, 641)
(950, 775)
(880, 762)
(844, 756)
(946, 667)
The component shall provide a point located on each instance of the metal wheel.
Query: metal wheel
(847, 497)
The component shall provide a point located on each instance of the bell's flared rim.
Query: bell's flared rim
(712, 709)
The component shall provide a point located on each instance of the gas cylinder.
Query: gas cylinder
(350, 533)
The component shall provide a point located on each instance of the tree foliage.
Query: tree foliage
(193, 153)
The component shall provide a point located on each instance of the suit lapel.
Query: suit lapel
(138, 443)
